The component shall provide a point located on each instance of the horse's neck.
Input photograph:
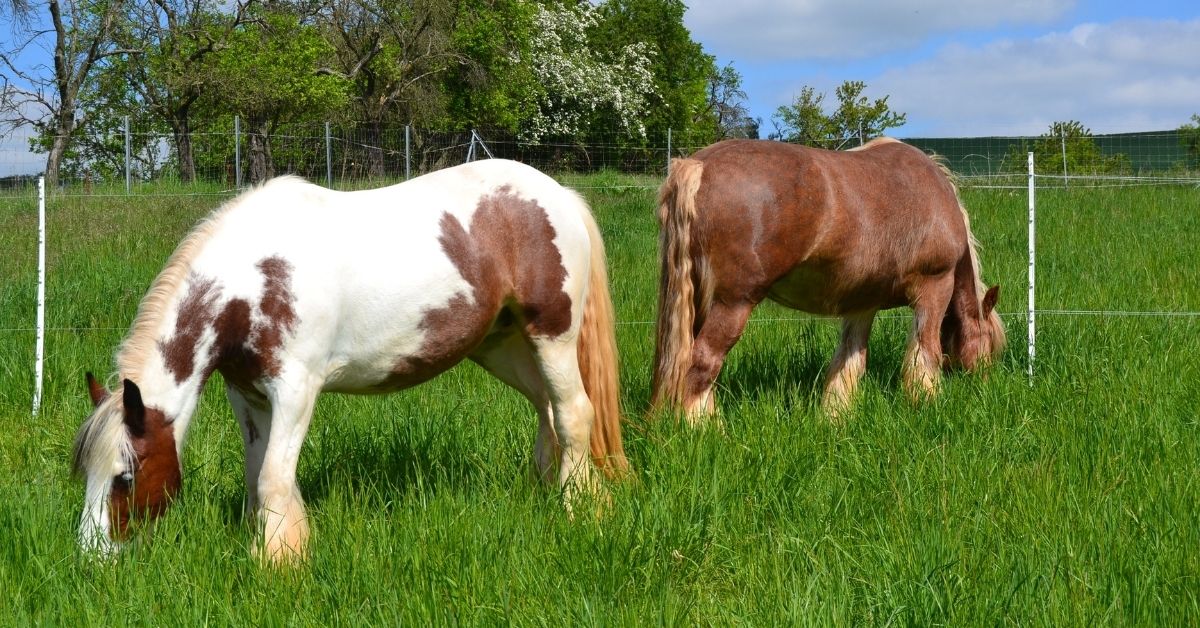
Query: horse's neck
(964, 303)
(176, 400)
(173, 391)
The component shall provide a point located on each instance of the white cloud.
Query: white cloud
(757, 30)
(1133, 75)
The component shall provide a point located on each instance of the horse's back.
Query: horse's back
(825, 231)
(386, 288)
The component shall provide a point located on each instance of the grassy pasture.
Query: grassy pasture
(1069, 501)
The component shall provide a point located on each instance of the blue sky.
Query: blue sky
(969, 67)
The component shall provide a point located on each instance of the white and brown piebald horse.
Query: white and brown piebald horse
(292, 289)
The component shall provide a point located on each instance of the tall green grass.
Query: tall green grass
(1068, 500)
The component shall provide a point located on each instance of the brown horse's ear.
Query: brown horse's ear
(95, 390)
(989, 299)
(135, 410)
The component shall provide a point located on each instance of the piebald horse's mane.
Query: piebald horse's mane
(133, 352)
(102, 437)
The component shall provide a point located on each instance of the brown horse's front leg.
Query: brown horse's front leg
(848, 366)
(922, 370)
(723, 325)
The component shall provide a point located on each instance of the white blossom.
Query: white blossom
(577, 82)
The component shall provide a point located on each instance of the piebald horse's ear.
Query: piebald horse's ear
(989, 300)
(95, 390)
(135, 410)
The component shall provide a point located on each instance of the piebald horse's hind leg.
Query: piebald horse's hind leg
(510, 359)
(253, 414)
(848, 366)
(573, 414)
(280, 507)
(723, 325)
(922, 370)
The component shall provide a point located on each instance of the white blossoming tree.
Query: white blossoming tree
(576, 83)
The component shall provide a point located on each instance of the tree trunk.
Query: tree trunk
(63, 127)
(260, 165)
(375, 165)
(183, 146)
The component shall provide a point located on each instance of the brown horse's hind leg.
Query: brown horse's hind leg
(922, 370)
(849, 364)
(723, 325)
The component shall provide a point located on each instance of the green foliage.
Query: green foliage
(269, 70)
(681, 68)
(493, 86)
(1067, 148)
(856, 118)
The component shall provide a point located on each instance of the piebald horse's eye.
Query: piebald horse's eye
(124, 479)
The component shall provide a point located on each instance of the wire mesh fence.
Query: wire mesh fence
(359, 155)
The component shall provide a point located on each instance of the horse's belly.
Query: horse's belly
(834, 293)
(402, 342)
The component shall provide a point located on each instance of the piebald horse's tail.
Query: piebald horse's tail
(598, 362)
(677, 286)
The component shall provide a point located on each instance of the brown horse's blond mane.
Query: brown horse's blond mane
(879, 141)
(999, 337)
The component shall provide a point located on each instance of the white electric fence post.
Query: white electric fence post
(128, 158)
(1032, 262)
(39, 351)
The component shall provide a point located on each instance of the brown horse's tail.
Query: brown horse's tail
(598, 361)
(677, 287)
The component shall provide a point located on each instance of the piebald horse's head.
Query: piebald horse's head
(127, 456)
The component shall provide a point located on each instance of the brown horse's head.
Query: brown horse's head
(973, 334)
(126, 454)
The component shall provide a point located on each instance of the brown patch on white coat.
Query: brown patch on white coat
(516, 274)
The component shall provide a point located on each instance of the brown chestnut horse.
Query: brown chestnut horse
(832, 233)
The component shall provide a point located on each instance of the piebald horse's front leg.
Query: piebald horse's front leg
(280, 506)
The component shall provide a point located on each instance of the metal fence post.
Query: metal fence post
(1064, 155)
(407, 156)
(1032, 262)
(668, 151)
(237, 152)
(328, 158)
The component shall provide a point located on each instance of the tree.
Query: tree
(680, 68)
(48, 98)
(271, 73)
(727, 105)
(178, 41)
(492, 84)
(856, 118)
(1189, 137)
(393, 56)
(1067, 148)
(577, 81)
